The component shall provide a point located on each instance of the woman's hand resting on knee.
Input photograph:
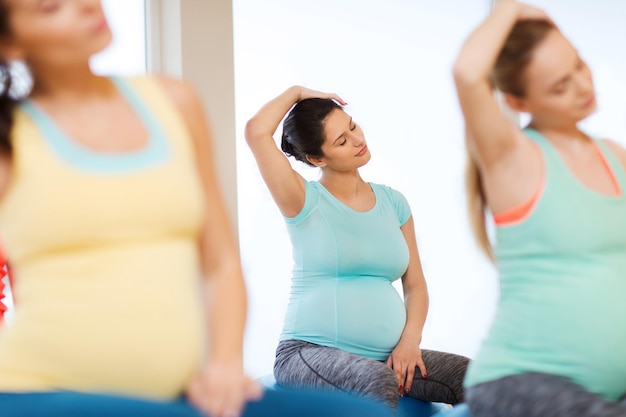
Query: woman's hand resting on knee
(404, 359)
(222, 389)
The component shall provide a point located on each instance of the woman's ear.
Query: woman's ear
(516, 103)
(318, 162)
(9, 51)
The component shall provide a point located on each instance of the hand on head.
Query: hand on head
(525, 11)
(305, 93)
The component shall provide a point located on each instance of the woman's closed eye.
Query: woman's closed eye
(49, 6)
(562, 87)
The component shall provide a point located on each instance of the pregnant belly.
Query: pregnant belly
(363, 315)
(144, 340)
(574, 331)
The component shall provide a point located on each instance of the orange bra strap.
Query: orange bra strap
(609, 169)
(519, 213)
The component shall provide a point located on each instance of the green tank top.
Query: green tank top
(563, 283)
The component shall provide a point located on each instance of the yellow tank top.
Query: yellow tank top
(104, 251)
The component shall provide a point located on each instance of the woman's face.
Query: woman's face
(559, 85)
(344, 146)
(56, 33)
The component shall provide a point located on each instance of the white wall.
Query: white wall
(127, 53)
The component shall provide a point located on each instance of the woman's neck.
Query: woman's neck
(558, 131)
(68, 84)
(566, 137)
(342, 184)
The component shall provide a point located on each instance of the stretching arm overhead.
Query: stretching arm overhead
(491, 137)
(285, 184)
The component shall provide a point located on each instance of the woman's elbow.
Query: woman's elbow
(466, 75)
(253, 131)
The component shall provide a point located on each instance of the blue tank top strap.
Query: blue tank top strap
(156, 151)
(554, 166)
(553, 159)
(541, 140)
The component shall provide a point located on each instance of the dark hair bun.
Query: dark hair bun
(303, 128)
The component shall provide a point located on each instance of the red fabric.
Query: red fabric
(3, 308)
(3, 273)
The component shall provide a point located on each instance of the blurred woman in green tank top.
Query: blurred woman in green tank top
(556, 346)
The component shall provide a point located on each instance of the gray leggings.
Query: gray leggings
(306, 365)
(538, 395)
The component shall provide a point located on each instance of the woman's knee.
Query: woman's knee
(446, 373)
(446, 366)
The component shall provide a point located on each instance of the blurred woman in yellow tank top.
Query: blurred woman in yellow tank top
(110, 213)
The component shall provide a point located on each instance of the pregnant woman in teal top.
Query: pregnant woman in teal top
(346, 327)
